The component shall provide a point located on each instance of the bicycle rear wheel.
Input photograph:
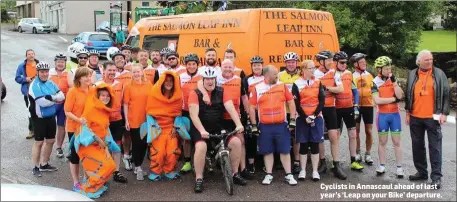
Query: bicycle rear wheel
(226, 167)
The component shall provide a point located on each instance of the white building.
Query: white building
(28, 9)
(73, 17)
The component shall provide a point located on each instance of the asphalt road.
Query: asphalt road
(16, 154)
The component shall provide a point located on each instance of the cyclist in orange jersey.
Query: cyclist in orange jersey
(270, 99)
(173, 64)
(135, 98)
(59, 75)
(127, 52)
(332, 85)
(346, 104)
(74, 107)
(188, 80)
(150, 73)
(363, 80)
(231, 55)
(309, 98)
(251, 138)
(155, 58)
(117, 124)
(387, 94)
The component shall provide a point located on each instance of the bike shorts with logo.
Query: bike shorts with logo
(45, 128)
(347, 115)
(305, 133)
(274, 138)
(388, 122)
(60, 114)
(367, 114)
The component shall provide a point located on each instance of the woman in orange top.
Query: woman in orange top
(74, 107)
(164, 104)
(135, 97)
(59, 76)
(94, 140)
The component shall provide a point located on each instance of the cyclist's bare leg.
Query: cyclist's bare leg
(269, 160)
(334, 143)
(382, 149)
(396, 140)
(321, 150)
(285, 160)
(243, 152)
(117, 157)
(352, 142)
(296, 148)
(36, 152)
(234, 146)
(127, 142)
(369, 136)
(74, 170)
(47, 149)
(357, 131)
(199, 159)
(60, 136)
(187, 148)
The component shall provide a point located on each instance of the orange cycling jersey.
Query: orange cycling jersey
(364, 82)
(117, 89)
(178, 70)
(124, 77)
(61, 80)
(385, 89)
(251, 82)
(188, 84)
(328, 79)
(271, 102)
(309, 94)
(232, 90)
(150, 73)
(346, 98)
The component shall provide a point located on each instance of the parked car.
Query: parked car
(34, 25)
(2, 89)
(104, 27)
(99, 41)
(23, 192)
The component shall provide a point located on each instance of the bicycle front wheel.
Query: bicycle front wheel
(226, 167)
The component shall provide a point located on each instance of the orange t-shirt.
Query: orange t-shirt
(124, 77)
(30, 69)
(150, 73)
(60, 80)
(188, 84)
(233, 91)
(74, 103)
(136, 95)
(424, 95)
(271, 102)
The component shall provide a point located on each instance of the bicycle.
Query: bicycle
(219, 154)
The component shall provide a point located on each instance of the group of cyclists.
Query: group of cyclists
(143, 102)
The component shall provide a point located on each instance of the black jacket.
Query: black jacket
(440, 85)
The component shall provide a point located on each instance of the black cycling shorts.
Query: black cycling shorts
(367, 114)
(45, 128)
(329, 114)
(347, 115)
(117, 129)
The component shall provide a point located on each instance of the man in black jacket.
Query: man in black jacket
(427, 107)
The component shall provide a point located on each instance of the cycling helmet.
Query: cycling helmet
(126, 47)
(382, 61)
(165, 51)
(209, 73)
(356, 57)
(60, 56)
(82, 51)
(110, 52)
(290, 56)
(256, 59)
(340, 56)
(94, 52)
(323, 55)
(73, 49)
(172, 53)
(42, 66)
(191, 57)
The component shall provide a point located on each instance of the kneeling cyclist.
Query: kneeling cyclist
(207, 120)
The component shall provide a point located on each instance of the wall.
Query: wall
(79, 16)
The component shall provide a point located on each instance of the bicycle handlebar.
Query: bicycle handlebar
(222, 135)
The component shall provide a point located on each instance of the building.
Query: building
(73, 17)
(134, 6)
(28, 9)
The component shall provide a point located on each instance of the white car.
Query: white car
(34, 25)
(22, 192)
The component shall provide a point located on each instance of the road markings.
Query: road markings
(17, 179)
(63, 39)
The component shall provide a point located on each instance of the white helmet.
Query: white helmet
(110, 52)
(209, 73)
(73, 49)
(290, 56)
(42, 66)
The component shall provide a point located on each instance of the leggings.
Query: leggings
(139, 146)
(314, 148)
(73, 157)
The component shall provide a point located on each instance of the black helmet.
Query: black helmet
(340, 56)
(172, 53)
(126, 47)
(356, 57)
(323, 55)
(256, 59)
(116, 53)
(165, 51)
(60, 56)
(191, 57)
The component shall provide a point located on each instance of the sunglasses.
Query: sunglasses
(171, 58)
(83, 58)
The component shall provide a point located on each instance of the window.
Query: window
(99, 37)
(133, 41)
(145, 3)
(159, 42)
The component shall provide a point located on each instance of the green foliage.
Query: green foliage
(4, 15)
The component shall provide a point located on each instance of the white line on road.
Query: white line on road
(63, 39)
(17, 180)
